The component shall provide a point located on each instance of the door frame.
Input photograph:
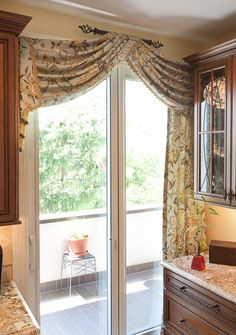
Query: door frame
(25, 236)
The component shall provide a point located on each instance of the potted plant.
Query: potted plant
(78, 243)
(198, 229)
(78, 237)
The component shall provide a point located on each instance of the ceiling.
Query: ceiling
(194, 19)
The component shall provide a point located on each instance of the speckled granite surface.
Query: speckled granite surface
(15, 316)
(220, 279)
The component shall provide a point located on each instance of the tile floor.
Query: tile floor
(84, 313)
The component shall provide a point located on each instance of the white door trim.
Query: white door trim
(122, 200)
(26, 235)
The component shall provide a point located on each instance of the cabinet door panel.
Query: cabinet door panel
(212, 131)
(212, 127)
(8, 130)
(233, 138)
(217, 307)
(2, 137)
(187, 320)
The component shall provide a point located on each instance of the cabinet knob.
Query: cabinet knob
(190, 330)
(181, 322)
(213, 306)
(182, 288)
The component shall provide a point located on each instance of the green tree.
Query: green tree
(72, 174)
(73, 157)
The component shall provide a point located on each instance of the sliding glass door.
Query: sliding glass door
(75, 222)
(145, 134)
(101, 166)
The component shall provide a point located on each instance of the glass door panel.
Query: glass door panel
(73, 186)
(146, 123)
(218, 164)
(205, 167)
(212, 131)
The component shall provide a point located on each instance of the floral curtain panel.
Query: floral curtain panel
(178, 185)
(54, 71)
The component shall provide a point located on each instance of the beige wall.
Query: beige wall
(223, 39)
(51, 24)
(6, 243)
(222, 226)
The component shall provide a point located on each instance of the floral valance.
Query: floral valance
(54, 71)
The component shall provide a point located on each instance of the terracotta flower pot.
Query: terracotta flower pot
(78, 247)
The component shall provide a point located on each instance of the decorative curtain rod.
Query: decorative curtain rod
(87, 29)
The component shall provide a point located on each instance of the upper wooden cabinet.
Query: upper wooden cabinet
(215, 123)
(11, 26)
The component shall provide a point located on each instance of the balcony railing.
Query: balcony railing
(143, 236)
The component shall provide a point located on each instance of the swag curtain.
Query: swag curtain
(53, 71)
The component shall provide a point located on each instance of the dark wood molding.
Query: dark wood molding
(12, 22)
(217, 52)
(11, 25)
(9, 125)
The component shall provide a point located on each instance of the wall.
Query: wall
(223, 226)
(51, 24)
(6, 243)
(223, 39)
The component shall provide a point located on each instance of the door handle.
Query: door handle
(32, 252)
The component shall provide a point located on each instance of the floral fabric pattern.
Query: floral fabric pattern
(178, 185)
(54, 71)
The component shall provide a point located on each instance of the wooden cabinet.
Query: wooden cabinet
(10, 27)
(215, 121)
(192, 310)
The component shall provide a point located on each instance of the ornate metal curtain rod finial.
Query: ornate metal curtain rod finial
(155, 44)
(87, 30)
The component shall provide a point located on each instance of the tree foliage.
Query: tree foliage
(73, 160)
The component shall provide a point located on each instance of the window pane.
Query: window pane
(218, 164)
(205, 163)
(212, 100)
(73, 204)
(73, 154)
(218, 99)
(146, 125)
(206, 106)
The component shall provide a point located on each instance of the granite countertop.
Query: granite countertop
(220, 279)
(15, 316)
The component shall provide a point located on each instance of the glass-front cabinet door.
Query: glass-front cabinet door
(212, 120)
(215, 123)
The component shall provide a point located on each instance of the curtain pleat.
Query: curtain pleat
(171, 81)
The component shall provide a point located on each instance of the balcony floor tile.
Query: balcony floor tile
(84, 313)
